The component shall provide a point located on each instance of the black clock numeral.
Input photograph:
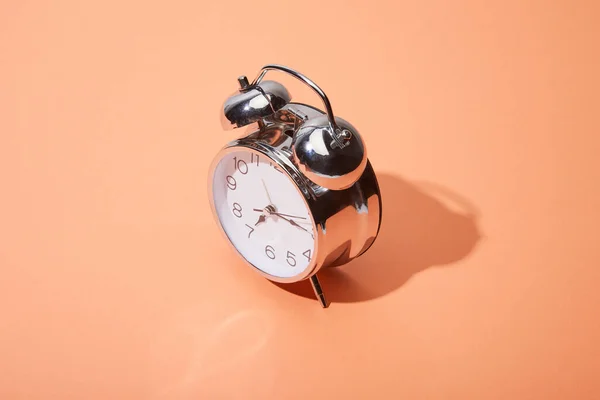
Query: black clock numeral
(240, 165)
(251, 230)
(252, 156)
(270, 252)
(237, 210)
(290, 259)
(307, 254)
(231, 183)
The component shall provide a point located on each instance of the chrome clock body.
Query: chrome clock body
(325, 158)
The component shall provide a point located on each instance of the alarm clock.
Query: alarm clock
(294, 192)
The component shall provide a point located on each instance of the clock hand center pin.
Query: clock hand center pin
(267, 211)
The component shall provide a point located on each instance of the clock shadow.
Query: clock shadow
(423, 226)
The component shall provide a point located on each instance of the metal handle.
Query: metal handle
(304, 79)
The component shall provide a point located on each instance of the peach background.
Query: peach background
(481, 119)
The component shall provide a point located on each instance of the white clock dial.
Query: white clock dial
(263, 214)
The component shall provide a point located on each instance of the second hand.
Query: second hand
(267, 191)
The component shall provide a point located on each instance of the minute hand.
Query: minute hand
(288, 215)
(292, 222)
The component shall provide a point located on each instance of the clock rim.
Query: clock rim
(271, 153)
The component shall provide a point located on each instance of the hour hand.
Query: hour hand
(294, 223)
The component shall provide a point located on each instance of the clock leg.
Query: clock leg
(318, 291)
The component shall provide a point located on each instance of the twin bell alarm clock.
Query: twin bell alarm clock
(295, 192)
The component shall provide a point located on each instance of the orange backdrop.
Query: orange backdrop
(481, 119)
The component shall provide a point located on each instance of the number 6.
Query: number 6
(270, 252)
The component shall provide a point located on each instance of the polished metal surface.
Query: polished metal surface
(293, 116)
(328, 150)
(316, 285)
(322, 160)
(301, 77)
(322, 154)
(253, 103)
(347, 221)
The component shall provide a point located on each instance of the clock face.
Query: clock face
(263, 214)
